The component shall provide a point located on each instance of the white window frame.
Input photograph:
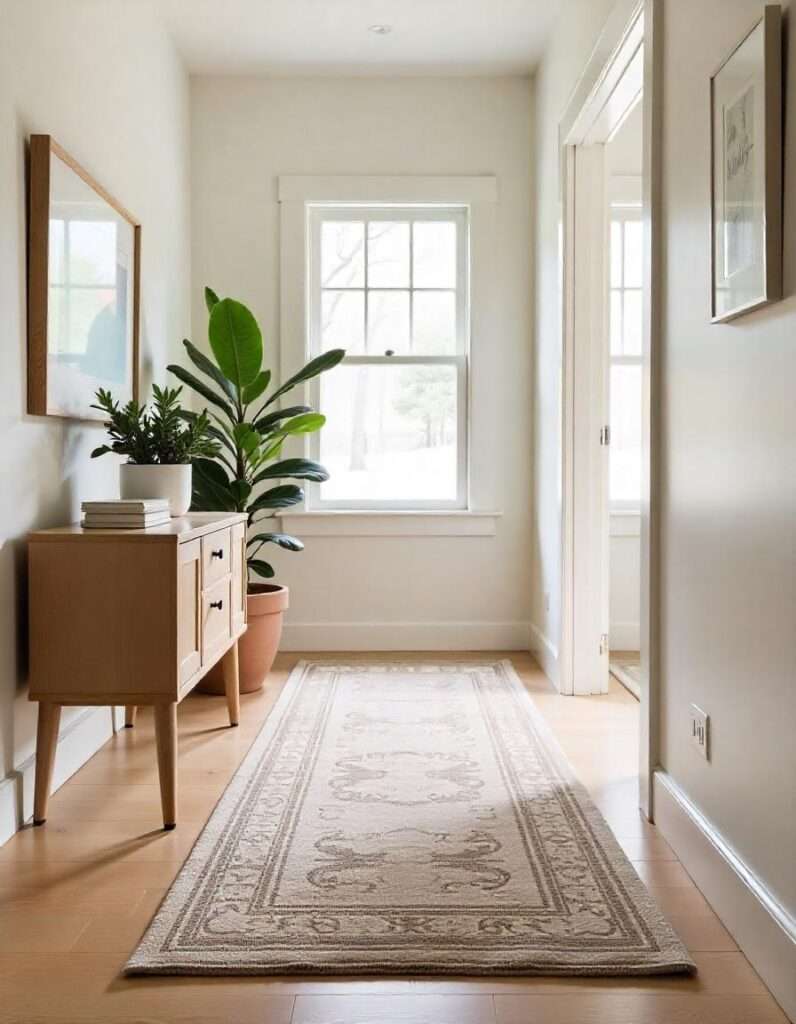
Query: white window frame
(317, 213)
(479, 193)
(623, 207)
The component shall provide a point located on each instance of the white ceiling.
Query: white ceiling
(320, 37)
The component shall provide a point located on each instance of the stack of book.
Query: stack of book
(126, 513)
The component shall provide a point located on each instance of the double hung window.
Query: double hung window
(390, 285)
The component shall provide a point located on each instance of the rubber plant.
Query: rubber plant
(250, 430)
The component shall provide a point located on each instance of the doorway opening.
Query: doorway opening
(623, 155)
(609, 232)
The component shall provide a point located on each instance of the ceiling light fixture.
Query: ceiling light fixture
(380, 30)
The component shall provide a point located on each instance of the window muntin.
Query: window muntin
(625, 333)
(390, 285)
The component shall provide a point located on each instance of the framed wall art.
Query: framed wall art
(83, 288)
(746, 156)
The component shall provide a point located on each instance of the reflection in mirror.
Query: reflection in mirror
(89, 314)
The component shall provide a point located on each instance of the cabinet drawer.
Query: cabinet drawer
(216, 618)
(216, 557)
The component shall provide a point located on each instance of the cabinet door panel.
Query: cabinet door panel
(189, 621)
(238, 577)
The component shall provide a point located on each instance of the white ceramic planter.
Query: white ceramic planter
(171, 482)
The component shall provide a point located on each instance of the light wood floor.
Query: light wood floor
(76, 895)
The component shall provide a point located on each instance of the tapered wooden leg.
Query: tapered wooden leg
(166, 740)
(130, 712)
(46, 742)
(229, 666)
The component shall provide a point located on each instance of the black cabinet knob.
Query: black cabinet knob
(217, 554)
(217, 604)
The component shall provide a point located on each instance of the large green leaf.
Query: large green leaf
(210, 299)
(301, 469)
(253, 391)
(261, 568)
(102, 450)
(315, 366)
(284, 540)
(246, 438)
(211, 486)
(221, 436)
(236, 341)
(207, 366)
(264, 423)
(241, 489)
(200, 387)
(277, 497)
(306, 423)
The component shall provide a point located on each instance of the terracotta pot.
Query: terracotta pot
(257, 647)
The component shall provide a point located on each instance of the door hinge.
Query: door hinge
(603, 643)
(605, 435)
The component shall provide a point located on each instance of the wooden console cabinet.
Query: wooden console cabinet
(133, 617)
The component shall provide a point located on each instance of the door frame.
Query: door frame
(632, 23)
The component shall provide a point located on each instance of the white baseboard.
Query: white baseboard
(762, 927)
(78, 741)
(546, 653)
(405, 636)
(624, 636)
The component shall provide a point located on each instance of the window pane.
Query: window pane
(616, 323)
(434, 323)
(342, 254)
(390, 433)
(632, 324)
(388, 322)
(57, 326)
(92, 252)
(388, 254)
(633, 253)
(616, 254)
(625, 449)
(56, 251)
(343, 321)
(434, 254)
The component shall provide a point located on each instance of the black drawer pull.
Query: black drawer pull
(217, 554)
(217, 604)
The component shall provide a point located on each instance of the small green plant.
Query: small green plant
(250, 431)
(164, 437)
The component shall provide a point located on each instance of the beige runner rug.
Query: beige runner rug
(407, 819)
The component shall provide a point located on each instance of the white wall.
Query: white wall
(571, 43)
(382, 591)
(104, 80)
(729, 511)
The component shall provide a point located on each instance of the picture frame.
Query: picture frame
(84, 270)
(746, 172)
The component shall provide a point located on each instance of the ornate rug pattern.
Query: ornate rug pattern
(407, 819)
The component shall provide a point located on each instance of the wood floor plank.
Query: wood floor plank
(80, 988)
(394, 1009)
(638, 1008)
(23, 930)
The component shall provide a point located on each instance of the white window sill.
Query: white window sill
(376, 523)
(625, 523)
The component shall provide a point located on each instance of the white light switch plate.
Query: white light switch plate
(700, 730)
